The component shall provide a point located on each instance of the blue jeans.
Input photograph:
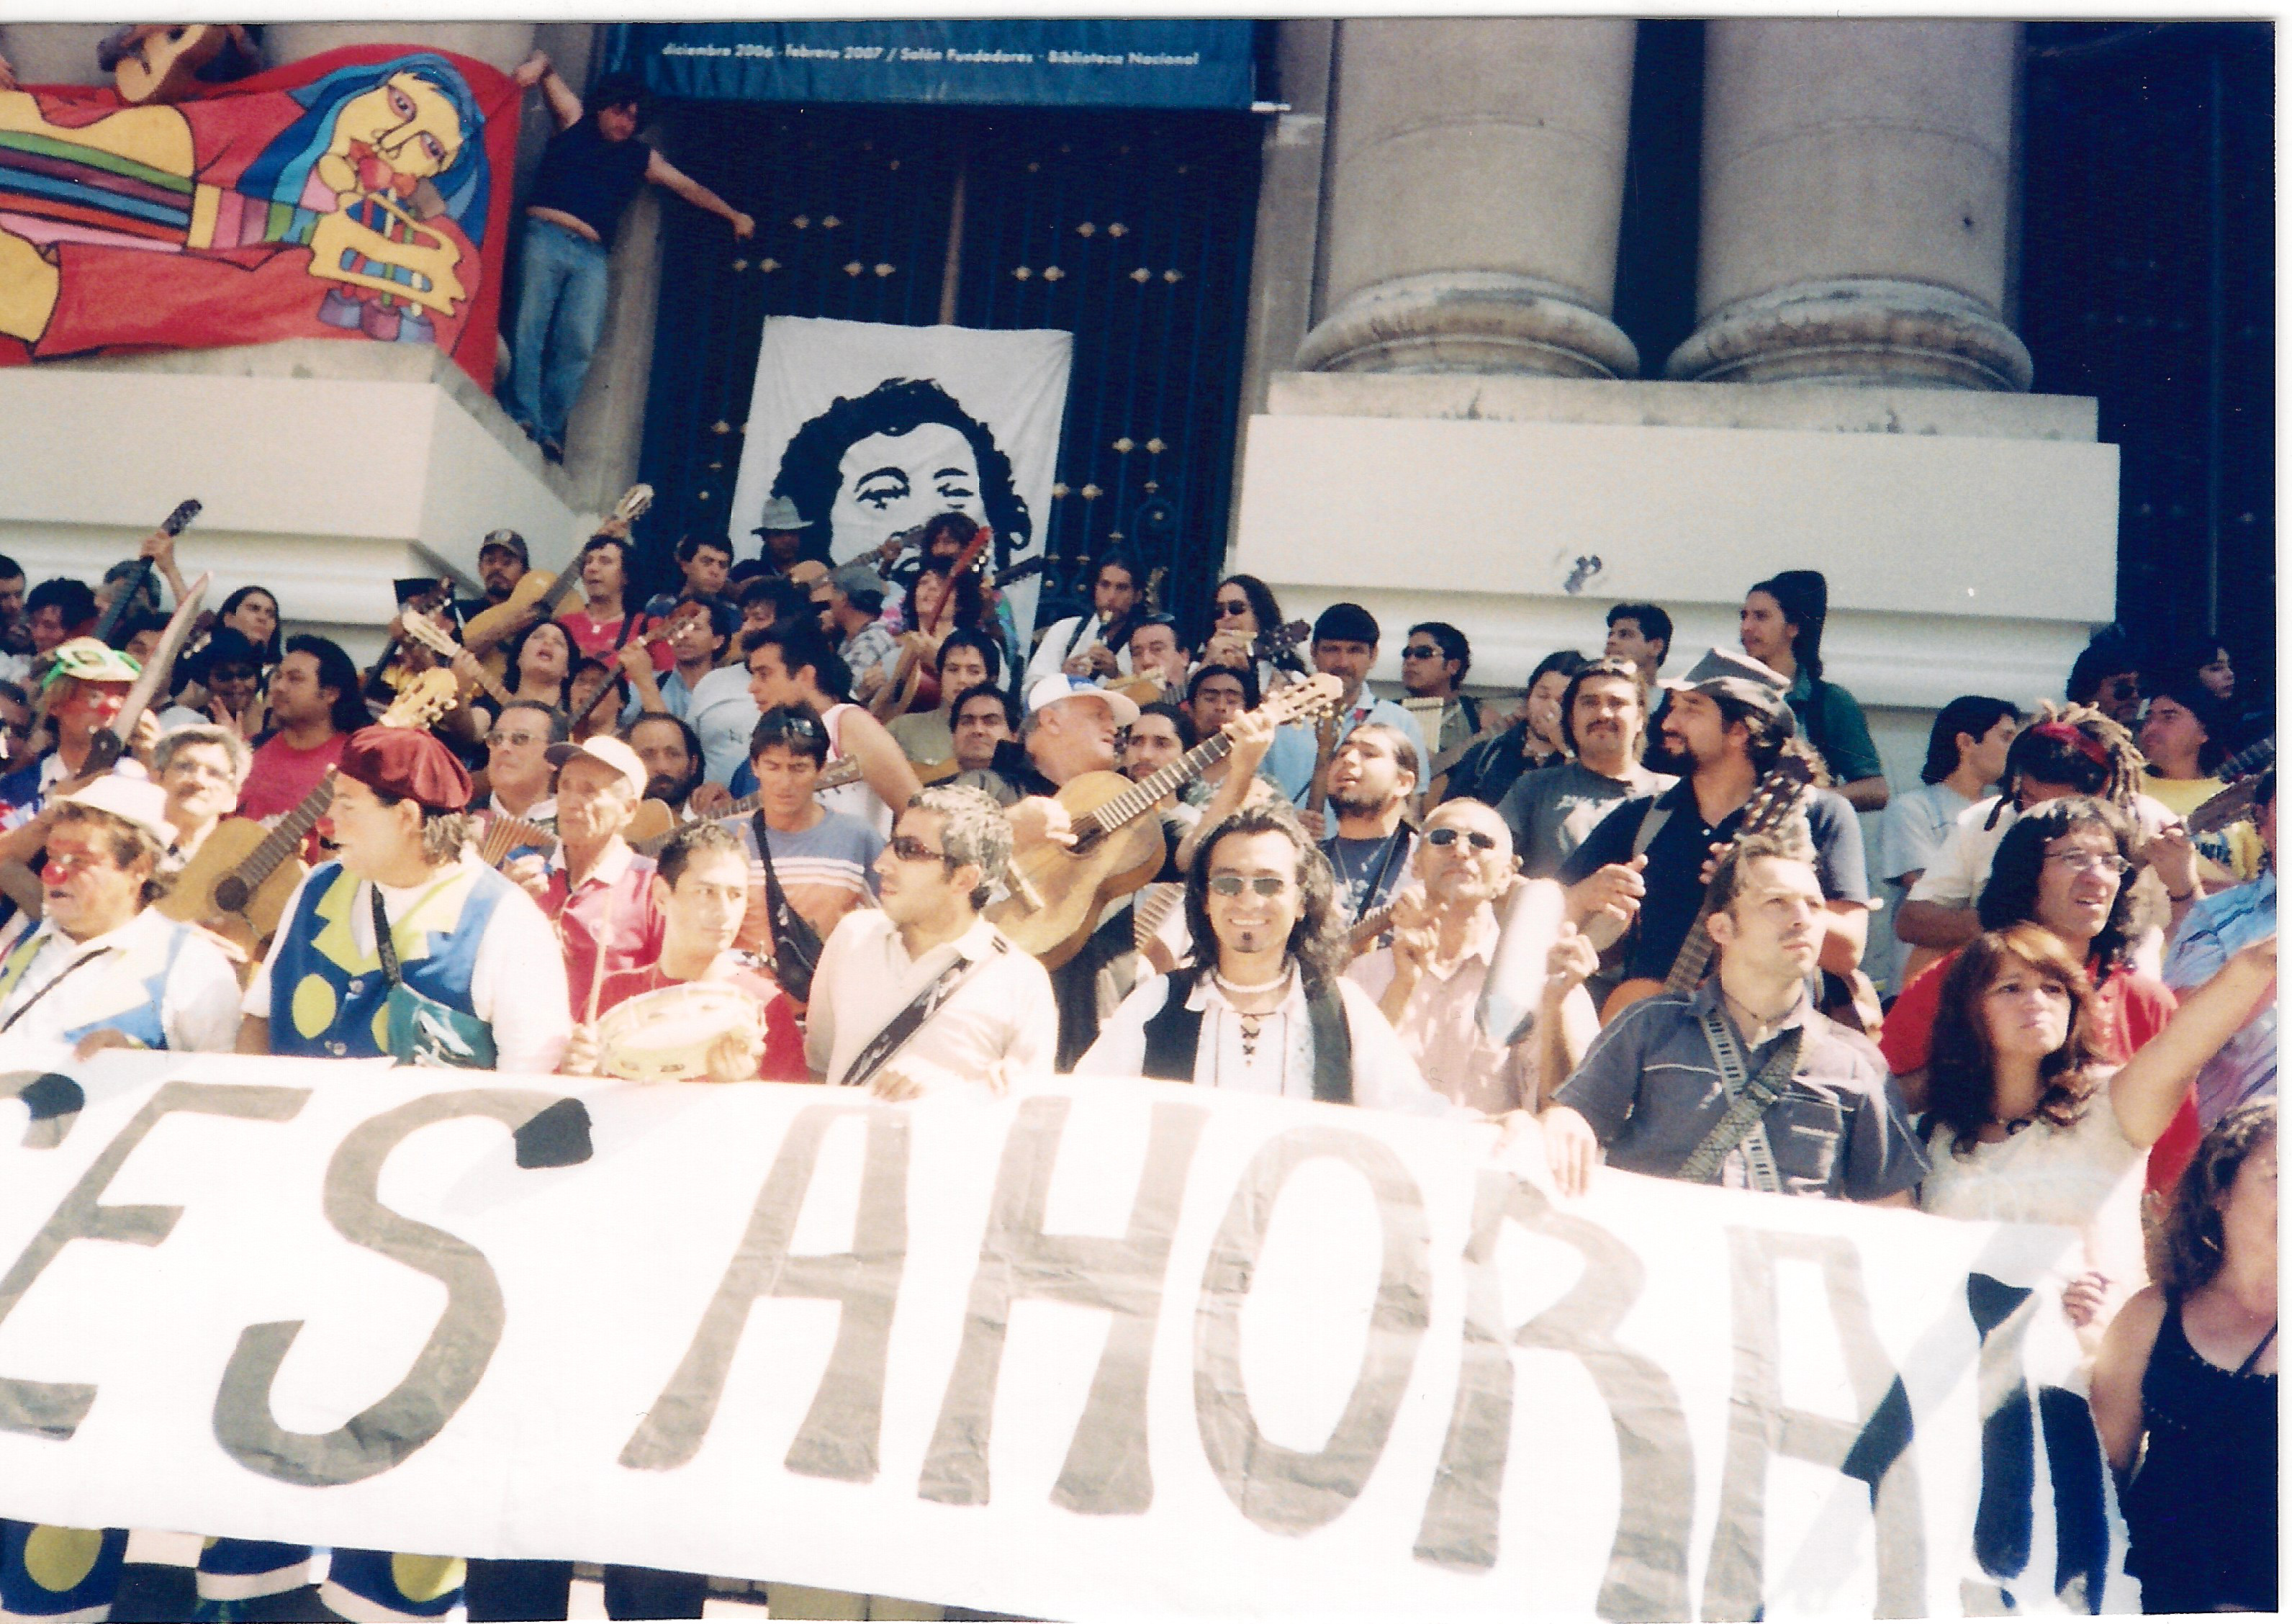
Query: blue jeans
(560, 313)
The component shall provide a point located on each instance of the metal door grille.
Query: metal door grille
(1130, 230)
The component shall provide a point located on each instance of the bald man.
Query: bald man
(1428, 982)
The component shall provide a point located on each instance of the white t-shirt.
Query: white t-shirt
(198, 989)
(1385, 1077)
(1064, 641)
(517, 983)
(1913, 826)
(1003, 1011)
(1960, 868)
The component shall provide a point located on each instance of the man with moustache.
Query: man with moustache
(1371, 777)
(1603, 715)
(671, 753)
(502, 563)
(985, 721)
(1636, 882)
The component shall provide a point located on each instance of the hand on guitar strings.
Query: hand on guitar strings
(2173, 854)
(705, 798)
(1611, 894)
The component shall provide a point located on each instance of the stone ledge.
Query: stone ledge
(1818, 408)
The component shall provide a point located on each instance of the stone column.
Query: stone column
(1476, 184)
(1857, 204)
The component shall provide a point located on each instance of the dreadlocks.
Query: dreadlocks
(2078, 746)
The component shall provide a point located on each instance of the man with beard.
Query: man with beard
(1638, 881)
(670, 751)
(1601, 717)
(1371, 778)
(1085, 645)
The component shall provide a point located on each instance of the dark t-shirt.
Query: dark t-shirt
(1652, 1090)
(588, 177)
(1550, 811)
(1369, 871)
(1683, 845)
(1011, 778)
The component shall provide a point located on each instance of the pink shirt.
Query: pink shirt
(617, 897)
(281, 775)
(1440, 1028)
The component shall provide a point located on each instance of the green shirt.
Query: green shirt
(1838, 732)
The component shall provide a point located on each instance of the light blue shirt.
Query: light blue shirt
(2214, 929)
(1297, 775)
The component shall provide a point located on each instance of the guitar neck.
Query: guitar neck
(286, 833)
(1316, 798)
(1147, 793)
(123, 599)
(834, 776)
(1694, 956)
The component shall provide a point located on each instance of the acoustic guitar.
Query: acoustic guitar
(1776, 800)
(541, 592)
(1057, 893)
(237, 883)
(2241, 772)
(426, 632)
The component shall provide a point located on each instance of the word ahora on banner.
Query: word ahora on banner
(1103, 1347)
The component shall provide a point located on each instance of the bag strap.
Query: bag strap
(54, 981)
(1333, 1045)
(384, 948)
(786, 923)
(1651, 822)
(2253, 1358)
(904, 1025)
(1748, 1102)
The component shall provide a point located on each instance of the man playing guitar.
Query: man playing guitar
(1637, 882)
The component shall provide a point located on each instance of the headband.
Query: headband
(2077, 738)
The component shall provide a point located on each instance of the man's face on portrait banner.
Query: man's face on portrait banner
(892, 482)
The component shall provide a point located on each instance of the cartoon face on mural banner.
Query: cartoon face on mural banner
(355, 195)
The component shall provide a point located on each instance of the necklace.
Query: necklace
(1252, 1022)
(1244, 988)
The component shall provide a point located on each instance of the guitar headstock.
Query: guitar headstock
(1779, 796)
(424, 699)
(424, 631)
(635, 502)
(1316, 696)
(176, 523)
(1275, 641)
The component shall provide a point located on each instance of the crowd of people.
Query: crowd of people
(846, 827)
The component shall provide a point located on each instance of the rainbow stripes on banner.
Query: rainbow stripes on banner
(358, 195)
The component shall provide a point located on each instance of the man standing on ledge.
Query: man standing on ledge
(591, 170)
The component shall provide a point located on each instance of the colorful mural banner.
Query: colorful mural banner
(1103, 1350)
(362, 194)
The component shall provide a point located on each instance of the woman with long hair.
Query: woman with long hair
(540, 664)
(2027, 1125)
(253, 613)
(2185, 1390)
(1545, 742)
(1242, 611)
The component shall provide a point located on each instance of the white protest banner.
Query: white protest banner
(1106, 1349)
(871, 428)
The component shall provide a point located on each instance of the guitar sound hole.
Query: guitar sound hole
(230, 893)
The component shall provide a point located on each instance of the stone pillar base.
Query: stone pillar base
(1860, 330)
(1484, 321)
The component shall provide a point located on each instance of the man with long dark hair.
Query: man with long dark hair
(1965, 758)
(314, 707)
(1640, 870)
(1264, 1007)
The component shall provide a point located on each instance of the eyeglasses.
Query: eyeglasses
(1481, 842)
(516, 738)
(2086, 862)
(1421, 651)
(907, 849)
(1263, 884)
(1227, 608)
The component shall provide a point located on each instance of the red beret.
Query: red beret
(410, 763)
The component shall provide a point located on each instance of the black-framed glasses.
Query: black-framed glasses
(1228, 608)
(1263, 884)
(907, 849)
(1447, 836)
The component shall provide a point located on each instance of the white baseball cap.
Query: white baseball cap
(610, 752)
(138, 800)
(1051, 690)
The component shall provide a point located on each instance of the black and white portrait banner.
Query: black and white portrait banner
(1102, 1350)
(871, 428)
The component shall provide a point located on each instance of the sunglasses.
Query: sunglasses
(907, 849)
(1449, 837)
(520, 738)
(793, 727)
(1263, 884)
(1227, 608)
(1422, 651)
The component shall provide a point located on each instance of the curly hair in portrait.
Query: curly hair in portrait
(1961, 1090)
(2191, 1249)
(1317, 941)
(811, 468)
(2010, 896)
(1583, 674)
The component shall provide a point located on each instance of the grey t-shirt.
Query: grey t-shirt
(1551, 812)
(1652, 1092)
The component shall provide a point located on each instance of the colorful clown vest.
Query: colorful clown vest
(330, 999)
(124, 991)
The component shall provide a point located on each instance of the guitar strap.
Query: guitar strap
(904, 1025)
(1748, 1102)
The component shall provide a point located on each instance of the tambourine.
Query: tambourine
(668, 1035)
